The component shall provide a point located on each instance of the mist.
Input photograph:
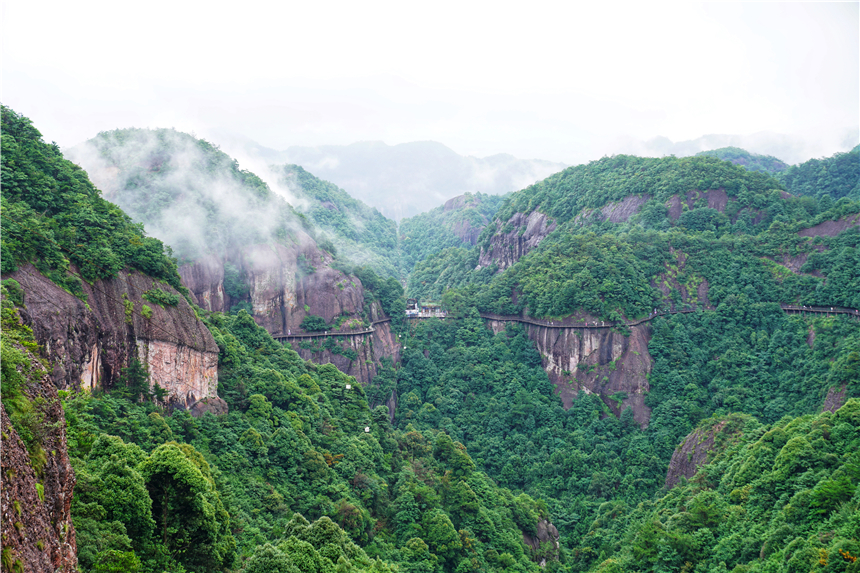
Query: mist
(566, 84)
(191, 196)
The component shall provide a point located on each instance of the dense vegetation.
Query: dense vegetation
(451, 268)
(747, 160)
(54, 217)
(782, 497)
(491, 393)
(834, 177)
(591, 186)
(307, 472)
(359, 234)
(203, 494)
(454, 224)
(187, 192)
(627, 275)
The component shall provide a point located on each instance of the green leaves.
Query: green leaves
(53, 216)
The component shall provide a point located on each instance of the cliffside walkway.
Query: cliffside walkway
(573, 323)
(329, 333)
(566, 322)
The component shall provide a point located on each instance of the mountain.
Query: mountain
(646, 364)
(837, 176)
(457, 223)
(789, 148)
(747, 160)
(657, 293)
(114, 474)
(240, 244)
(358, 233)
(410, 178)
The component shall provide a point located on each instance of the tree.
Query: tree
(269, 559)
(191, 521)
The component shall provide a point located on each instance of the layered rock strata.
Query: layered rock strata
(287, 283)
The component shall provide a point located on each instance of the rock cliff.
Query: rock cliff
(466, 228)
(37, 531)
(89, 343)
(701, 444)
(544, 543)
(597, 361)
(355, 355)
(516, 238)
(285, 284)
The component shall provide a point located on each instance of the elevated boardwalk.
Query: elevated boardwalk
(573, 323)
(568, 322)
(329, 333)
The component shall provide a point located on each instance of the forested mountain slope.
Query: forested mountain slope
(617, 326)
(747, 160)
(241, 245)
(837, 176)
(99, 293)
(360, 234)
(778, 497)
(583, 258)
(457, 223)
(300, 443)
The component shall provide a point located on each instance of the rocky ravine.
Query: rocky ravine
(597, 361)
(89, 343)
(282, 292)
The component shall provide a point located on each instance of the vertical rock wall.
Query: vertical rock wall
(597, 361)
(288, 283)
(89, 343)
(37, 531)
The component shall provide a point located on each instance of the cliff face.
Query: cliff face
(89, 343)
(614, 212)
(831, 228)
(544, 543)
(358, 355)
(465, 229)
(37, 528)
(285, 284)
(698, 446)
(597, 361)
(506, 247)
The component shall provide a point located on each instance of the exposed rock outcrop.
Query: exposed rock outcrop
(37, 528)
(467, 230)
(831, 228)
(544, 543)
(526, 232)
(835, 398)
(614, 212)
(597, 361)
(716, 199)
(89, 343)
(358, 356)
(285, 284)
(697, 448)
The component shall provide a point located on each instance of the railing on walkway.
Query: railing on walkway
(328, 333)
(568, 322)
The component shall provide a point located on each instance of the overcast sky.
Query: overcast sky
(537, 80)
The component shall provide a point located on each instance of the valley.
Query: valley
(641, 364)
